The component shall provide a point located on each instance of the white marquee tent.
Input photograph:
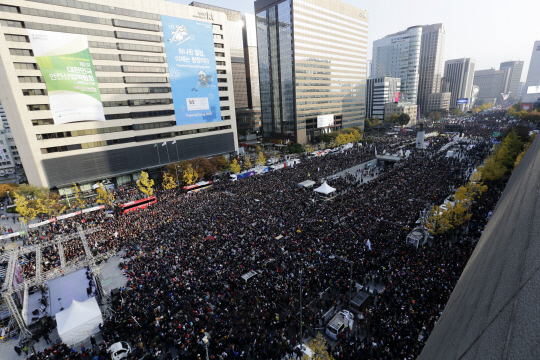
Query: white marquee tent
(325, 189)
(79, 321)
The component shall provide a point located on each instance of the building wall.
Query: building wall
(492, 83)
(438, 101)
(393, 108)
(431, 63)
(516, 68)
(398, 55)
(458, 79)
(311, 63)
(40, 142)
(533, 76)
(251, 61)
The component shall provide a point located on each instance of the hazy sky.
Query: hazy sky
(490, 31)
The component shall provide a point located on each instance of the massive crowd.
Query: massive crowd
(184, 256)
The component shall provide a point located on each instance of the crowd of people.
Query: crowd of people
(184, 257)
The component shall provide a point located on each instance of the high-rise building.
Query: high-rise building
(515, 68)
(431, 63)
(9, 154)
(531, 92)
(152, 84)
(458, 80)
(492, 84)
(398, 55)
(252, 61)
(312, 70)
(380, 91)
(439, 100)
(236, 43)
(520, 90)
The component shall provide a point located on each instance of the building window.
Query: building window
(220, 54)
(31, 79)
(26, 66)
(37, 107)
(17, 38)
(21, 52)
(217, 27)
(223, 88)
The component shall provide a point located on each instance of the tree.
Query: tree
(247, 164)
(235, 167)
(434, 116)
(81, 201)
(319, 348)
(295, 148)
(489, 105)
(145, 184)
(203, 166)
(342, 139)
(168, 182)
(525, 148)
(36, 201)
(190, 175)
(258, 149)
(220, 162)
(4, 188)
(107, 198)
(517, 106)
(492, 170)
(25, 206)
(50, 206)
(438, 221)
(261, 160)
(367, 123)
(404, 119)
(394, 118)
(309, 148)
(457, 112)
(375, 121)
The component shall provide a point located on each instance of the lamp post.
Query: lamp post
(206, 341)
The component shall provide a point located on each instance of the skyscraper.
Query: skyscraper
(515, 68)
(431, 63)
(531, 91)
(458, 79)
(380, 91)
(251, 60)
(312, 70)
(398, 55)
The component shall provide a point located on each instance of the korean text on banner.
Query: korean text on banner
(189, 46)
(66, 65)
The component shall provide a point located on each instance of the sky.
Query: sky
(489, 31)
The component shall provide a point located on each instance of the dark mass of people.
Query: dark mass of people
(184, 257)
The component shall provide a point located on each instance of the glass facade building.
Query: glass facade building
(312, 62)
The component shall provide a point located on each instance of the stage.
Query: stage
(60, 293)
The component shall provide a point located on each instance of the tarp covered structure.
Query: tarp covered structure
(325, 189)
(79, 321)
(307, 183)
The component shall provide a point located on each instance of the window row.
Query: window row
(223, 88)
(17, 38)
(26, 66)
(134, 36)
(37, 107)
(101, 8)
(141, 102)
(139, 115)
(31, 79)
(64, 134)
(34, 92)
(21, 52)
(139, 47)
(65, 16)
(136, 25)
(133, 90)
(132, 79)
(141, 138)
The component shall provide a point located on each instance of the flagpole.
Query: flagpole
(177, 156)
(159, 158)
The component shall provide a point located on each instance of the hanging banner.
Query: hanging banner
(66, 65)
(189, 46)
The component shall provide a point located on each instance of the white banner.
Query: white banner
(95, 208)
(61, 217)
(66, 64)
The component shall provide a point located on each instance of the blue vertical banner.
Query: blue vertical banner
(189, 45)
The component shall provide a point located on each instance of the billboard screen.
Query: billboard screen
(397, 96)
(462, 101)
(325, 120)
(189, 45)
(533, 89)
(66, 65)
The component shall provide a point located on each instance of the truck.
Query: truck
(338, 324)
(119, 350)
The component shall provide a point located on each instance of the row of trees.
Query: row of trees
(504, 158)
(401, 119)
(455, 213)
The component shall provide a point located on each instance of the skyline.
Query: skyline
(511, 27)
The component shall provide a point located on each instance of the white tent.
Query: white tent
(325, 189)
(79, 321)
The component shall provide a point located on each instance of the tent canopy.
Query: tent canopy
(307, 183)
(79, 321)
(325, 189)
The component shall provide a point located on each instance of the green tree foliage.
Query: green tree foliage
(295, 148)
(393, 118)
(404, 119)
(492, 170)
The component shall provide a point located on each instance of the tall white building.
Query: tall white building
(398, 55)
(380, 91)
(150, 80)
(431, 64)
(531, 91)
(515, 68)
(458, 80)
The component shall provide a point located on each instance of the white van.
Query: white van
(119, 350)
(338, 323)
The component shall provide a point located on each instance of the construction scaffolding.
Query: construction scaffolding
(88, 260)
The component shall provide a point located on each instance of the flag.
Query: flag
(368, 244)
(174, 141)
(164, 143)
(375, 151)
(155, 144)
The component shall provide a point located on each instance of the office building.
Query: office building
(520, 90)
(438, 101)
(155, 86)
(515, 68)
(531, 92)
(400, 108)
(398, 55)
(492, 84)
(431, 63)
(380, 91)
(9, 154)
(458, 80)
(312, 71)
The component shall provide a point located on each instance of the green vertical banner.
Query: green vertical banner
(66, 65)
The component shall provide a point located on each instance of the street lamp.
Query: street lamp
(206, 342)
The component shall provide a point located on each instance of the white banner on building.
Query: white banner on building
(66, 64)
(325, 120)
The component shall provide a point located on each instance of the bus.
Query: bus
(197, 186)
(137, 204)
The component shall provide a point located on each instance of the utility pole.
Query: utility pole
(301, 335)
